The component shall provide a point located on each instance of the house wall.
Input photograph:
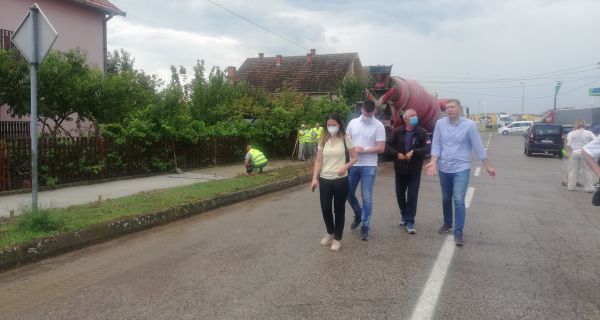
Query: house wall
(77, 26)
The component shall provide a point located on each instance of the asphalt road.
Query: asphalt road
(532, 252)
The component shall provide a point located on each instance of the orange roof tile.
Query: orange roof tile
(323, 75)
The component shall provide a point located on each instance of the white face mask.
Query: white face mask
(367, 119)
(333, 130)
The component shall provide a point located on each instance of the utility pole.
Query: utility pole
(523, 101)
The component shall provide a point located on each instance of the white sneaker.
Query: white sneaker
(336, 245)
(326, 241)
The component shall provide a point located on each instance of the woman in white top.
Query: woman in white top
(576, 139)
(330, 174)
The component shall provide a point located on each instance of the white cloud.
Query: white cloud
(439, 38)
(155, 49)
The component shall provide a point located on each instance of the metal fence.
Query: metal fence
(66, 160)
(14, 129)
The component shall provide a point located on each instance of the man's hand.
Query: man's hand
(314, 185)
(409, 155)
(491, 171)
(359, 149)
(401, 156)
(431, 168)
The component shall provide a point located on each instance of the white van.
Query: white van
(517, 126)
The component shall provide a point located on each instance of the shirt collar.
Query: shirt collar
(460, 119)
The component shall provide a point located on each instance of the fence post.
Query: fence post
(214, 144)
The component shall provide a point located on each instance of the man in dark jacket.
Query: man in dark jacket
(408, 145)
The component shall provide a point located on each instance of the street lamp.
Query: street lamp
(523, 100)
(556, 89)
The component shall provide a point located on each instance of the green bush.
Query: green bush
(38, 221)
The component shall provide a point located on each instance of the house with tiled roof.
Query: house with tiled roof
(313, 74)
(79, 24)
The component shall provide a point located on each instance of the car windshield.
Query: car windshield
(547, 130)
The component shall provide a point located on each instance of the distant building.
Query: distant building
(79, 24)
(313, 75)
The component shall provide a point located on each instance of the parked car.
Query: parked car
(544, 138)
(567, 128)
(517, 126)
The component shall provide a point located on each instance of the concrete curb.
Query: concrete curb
(55, 245)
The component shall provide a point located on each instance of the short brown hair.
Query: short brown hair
(455, 101)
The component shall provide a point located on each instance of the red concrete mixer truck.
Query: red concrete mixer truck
(394, 94)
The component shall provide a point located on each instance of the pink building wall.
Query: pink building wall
(77, 25)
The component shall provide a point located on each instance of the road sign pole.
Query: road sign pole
(33, 130)
(34, 37)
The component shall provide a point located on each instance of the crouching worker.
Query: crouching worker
(254, 161)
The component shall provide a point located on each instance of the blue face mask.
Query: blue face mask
(413, 121)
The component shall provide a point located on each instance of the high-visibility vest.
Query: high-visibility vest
(302, 136)
(319, 133)
(312, 135)
(258, 158)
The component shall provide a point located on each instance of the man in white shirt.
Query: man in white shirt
(368, 137)
(576, 139)
(590, 154)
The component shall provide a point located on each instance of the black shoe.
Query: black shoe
(355, 223)
(458, 239)
(364, 233)
(402, 222)
(445, 228)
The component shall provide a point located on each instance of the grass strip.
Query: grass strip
(51, 221)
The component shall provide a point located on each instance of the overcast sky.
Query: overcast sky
(438, 42)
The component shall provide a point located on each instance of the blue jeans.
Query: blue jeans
(366, 176)
(454, 186)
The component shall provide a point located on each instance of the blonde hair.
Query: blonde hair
(579, 123)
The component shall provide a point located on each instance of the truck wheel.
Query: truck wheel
(504, 132)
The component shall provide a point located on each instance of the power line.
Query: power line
(258, 25)
(545, 75)
(528, 98)
(483, 87)
(505, 80)
(587, 66)
(568, 91)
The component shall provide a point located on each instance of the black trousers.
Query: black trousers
(335, 190)
(407, 194)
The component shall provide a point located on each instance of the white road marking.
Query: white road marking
(477, 171)
(469, 196)
(433, 286)
(431, 293)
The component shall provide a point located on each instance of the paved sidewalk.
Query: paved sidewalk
(65, 197)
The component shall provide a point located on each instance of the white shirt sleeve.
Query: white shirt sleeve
(380, 133)
(349, 129)
(570, 138)
(593, 148)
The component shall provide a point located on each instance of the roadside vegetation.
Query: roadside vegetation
(126, 102)
(31, 225)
